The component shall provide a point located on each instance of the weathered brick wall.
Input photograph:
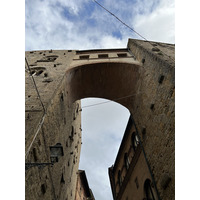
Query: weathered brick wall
(153, 111)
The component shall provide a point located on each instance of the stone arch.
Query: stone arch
(109, 80)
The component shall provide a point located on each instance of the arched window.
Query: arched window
(119, 178)
(126, 161)
(135, 140)
(148, 190)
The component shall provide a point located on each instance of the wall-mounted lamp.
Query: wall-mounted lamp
(56, 151)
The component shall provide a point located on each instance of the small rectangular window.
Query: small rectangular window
(122, 55)
(103, 56)
(84, 57)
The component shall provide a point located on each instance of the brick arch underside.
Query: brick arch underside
(104, 80)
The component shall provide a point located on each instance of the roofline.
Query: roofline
(84, 179)
(101, 50)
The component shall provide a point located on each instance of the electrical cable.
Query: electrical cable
(30, 73)
(110, 101)
(44, 113)
(128, 26)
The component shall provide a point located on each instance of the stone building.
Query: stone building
(83, 191)
(130, 176)
(139, 77)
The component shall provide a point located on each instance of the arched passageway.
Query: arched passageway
(117, 81)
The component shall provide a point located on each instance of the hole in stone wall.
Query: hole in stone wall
(69, 50)
(48, 58)
(32, 72)
(161, 78)
(72, 133)
(77, 108)
(160, 53)
(62, 97)
(152, 107)
(143, 133)
(143, 60)
(39, 72)
(62, 179)
(45, 74)
(155, 49)
(43, 188)
(35, 154)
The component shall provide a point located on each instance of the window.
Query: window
(121, 55)
(126, 161)
(84, 57)
(103, 55)
(135, 140)
(148, 190)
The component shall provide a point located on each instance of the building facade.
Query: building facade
(130, 176)
(56, 81)
(83, 191)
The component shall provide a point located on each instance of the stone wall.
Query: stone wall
(153, 111)
(145, 75)
(61, 124)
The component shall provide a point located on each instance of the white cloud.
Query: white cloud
(158, 25)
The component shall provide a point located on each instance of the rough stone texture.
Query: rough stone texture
(58, 181)
(145, 76)
(159, 139)
(83, 192)
(134, 173)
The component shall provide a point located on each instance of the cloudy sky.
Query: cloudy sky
(82, 24)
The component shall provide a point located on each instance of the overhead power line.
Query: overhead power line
(96, 104)
(128, 26)
(120, 20)
(44, 111)
(30, 73)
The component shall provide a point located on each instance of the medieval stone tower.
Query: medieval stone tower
(56, 81)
